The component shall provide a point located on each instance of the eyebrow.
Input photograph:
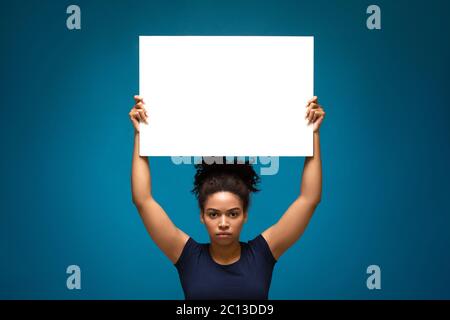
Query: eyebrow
(215, 210)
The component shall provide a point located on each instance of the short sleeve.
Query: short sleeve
(261, 247)
(190, 249)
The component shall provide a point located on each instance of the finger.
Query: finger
(312, 99)
(137, 116)
(311, 119)
(311, 115)
(134, 120)
(307, 113)
(132, 114)
(320, 112)
(314, 105)
(142, 107)
(139, 105)
(311, 112)
(317, 115)
(138, 98)
(319, 121)
(142, 115)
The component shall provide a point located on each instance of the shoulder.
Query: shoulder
(261, 248)
(190, 249)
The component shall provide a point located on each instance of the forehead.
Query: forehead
(223, 201)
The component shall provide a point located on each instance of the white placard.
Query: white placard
(226, 95)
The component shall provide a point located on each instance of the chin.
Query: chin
(226, 240)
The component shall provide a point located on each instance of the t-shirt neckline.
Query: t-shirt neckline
(224, 265)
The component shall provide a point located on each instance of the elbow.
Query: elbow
(139, 200)
(135, 201)
(317, 200)
(314, 201)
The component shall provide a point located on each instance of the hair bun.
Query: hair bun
(209, 168)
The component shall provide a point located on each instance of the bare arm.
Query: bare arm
(161, 229)
(289, 228)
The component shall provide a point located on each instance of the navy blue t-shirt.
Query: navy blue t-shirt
(248, 278)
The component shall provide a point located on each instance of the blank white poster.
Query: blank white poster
(226, 95)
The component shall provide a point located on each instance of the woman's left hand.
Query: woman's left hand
(314, 113)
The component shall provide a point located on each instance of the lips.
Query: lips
(223, 234)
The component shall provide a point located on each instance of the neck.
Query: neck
(225, 254)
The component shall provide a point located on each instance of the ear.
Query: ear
(202, 220)
(245, 216)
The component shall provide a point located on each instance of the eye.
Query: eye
(234, 214)
(212, 214)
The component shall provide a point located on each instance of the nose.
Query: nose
(223, 224)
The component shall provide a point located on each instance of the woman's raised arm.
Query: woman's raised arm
(294, 221)
(161, 229)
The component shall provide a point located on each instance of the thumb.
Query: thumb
(313, 99)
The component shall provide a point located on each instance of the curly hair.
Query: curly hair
(237, 178)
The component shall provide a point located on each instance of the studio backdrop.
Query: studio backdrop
(69, 71)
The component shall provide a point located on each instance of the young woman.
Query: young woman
(226, 268)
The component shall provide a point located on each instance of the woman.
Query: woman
(226, 268)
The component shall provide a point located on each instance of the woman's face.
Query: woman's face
(223, 217)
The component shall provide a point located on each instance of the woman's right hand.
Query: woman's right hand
(138, 113)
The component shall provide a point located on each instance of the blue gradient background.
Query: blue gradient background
(67, 142)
